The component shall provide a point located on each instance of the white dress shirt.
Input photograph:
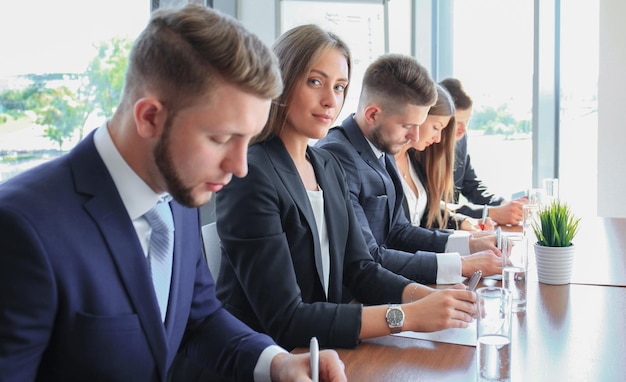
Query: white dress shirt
(317, 204)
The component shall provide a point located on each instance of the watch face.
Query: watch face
(395, 317)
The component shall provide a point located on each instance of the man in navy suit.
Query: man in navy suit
(395, 98)
(77, 301)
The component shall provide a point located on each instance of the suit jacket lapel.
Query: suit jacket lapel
(109, 214)
(333, 201)
(360, 143)
(358, 140)
(286, 170)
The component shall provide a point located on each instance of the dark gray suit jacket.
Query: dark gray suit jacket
(376, 194)
(271, 274)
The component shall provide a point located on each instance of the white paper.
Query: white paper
(458, 336)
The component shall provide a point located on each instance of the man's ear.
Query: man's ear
(371, 113)
(150, 116)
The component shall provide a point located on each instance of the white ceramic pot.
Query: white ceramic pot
(554, 264)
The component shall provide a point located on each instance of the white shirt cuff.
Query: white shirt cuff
(263, 365)
(449, 268)
(459, 242)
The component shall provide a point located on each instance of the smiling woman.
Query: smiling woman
(56, 57)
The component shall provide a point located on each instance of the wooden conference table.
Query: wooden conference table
(574, 332)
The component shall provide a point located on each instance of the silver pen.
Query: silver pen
(484, 218)
(499, 238)
(473, 281)
(314, 349)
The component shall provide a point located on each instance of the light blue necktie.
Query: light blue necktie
(381, 159)
(160, 251)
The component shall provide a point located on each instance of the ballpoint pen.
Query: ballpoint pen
(315, 359)
(473, 281)
(499, 238)
(484, 218)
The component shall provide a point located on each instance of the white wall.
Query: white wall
(259, 16)
(611, 107)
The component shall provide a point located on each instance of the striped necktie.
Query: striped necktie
(160, 251)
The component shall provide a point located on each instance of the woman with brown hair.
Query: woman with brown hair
(426, 167)
(292, 248)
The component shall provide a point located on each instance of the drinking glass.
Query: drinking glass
(551, 189)
(493, 332)
(536, 196)
(530, 215)
(514, 269)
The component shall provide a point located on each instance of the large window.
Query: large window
(47, 48)
(488, 44)
(492, 55)
(498, 49)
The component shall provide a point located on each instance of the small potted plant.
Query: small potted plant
(555, 229)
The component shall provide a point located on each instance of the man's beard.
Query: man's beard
(165, 164)
(379, 141)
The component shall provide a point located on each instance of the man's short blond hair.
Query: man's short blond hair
(185, 52)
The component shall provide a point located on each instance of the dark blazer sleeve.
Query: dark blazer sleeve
(466, 183)
(405, 249)
(269, 277)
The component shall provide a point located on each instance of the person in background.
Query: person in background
(466, 182)
(425, 167)
(77, 296)
(292, 247)
(395, 98)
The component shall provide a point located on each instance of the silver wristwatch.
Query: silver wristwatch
(395, 318)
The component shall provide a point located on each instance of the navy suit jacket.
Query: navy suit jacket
(376, 194)
(271, 274)
(76, 296)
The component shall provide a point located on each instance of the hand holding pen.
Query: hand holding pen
(473, 281)
(483, 220)
(499, 238)
(316, 365)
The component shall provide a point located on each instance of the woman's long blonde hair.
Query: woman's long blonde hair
(438, 161)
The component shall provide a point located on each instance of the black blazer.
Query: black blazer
(271, 274)
(376, 195)
(454, 221)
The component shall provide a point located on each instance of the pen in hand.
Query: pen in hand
(499, 238)
(315, 359)
(484, 218)
(473, 281)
